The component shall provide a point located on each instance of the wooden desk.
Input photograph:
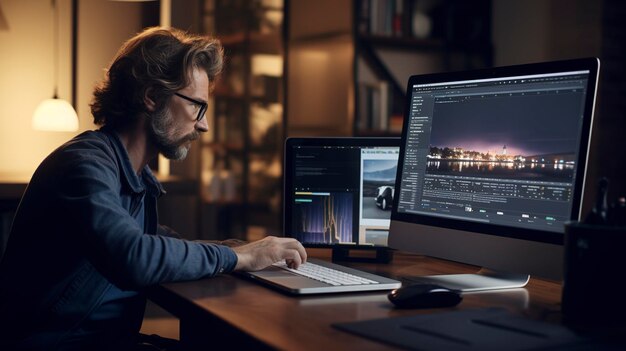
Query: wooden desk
(229, 310)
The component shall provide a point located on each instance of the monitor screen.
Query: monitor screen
(493, 163)
(339, 191)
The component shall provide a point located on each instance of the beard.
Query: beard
(159, 129)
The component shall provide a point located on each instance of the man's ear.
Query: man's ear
(148, 101)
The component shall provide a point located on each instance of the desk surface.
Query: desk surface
(253, 315)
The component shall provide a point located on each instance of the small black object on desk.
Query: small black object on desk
(594, 261)
(360, 254)
(424, 296)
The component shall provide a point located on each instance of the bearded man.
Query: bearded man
(85, 240)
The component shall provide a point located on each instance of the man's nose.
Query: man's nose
(202, 125)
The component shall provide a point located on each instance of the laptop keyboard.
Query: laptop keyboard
(326, 275)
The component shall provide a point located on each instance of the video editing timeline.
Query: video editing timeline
(500, 150)
(335, 194)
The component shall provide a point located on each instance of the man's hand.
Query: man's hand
(260, 254)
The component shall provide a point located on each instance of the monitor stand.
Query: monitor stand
(373, 255)
(483, 280)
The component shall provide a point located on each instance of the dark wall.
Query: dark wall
(608, 151)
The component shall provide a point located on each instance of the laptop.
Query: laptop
(338, 194)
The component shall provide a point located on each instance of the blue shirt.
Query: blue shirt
(120, 310)
(77, 247)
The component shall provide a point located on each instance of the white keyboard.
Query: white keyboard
(326, 275)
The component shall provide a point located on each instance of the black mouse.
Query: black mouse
(424, 296)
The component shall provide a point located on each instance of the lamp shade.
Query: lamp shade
(55, 115)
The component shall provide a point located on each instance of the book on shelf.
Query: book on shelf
(384, 17)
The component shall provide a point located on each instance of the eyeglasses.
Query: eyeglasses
(203, 105)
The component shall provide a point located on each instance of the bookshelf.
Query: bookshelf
(433, 35)
(358, 54)
(241, 157)
(345, 68)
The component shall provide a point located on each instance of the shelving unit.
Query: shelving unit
(328, 59)
(446, 35)
(241, 160)
(359, 57)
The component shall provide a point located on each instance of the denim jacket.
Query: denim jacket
(74, 236)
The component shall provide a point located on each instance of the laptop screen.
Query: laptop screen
(339, 191)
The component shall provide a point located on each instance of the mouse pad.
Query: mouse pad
(475, 329)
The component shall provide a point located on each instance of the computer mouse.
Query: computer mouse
(424, 296)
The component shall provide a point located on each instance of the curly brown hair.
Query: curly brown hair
(158, 61)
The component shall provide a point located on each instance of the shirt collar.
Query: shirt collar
(131, 179)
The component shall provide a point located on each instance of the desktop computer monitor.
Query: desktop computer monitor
(492, 165)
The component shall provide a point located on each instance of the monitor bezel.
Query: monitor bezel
(543, 236)
(291, 143)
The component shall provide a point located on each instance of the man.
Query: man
(85, 239)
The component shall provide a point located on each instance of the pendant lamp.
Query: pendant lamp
(55, 114)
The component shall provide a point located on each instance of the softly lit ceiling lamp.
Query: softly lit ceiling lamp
(55, 114)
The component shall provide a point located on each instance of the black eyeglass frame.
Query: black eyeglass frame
(203, 105)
